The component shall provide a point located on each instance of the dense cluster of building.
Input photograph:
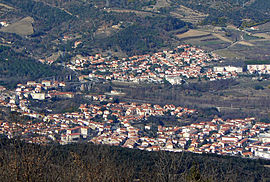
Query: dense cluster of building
(241, 137)
(181, 63)
(124, 124)
(43, 90)
(116, 124)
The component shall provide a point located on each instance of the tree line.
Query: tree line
(20, 161)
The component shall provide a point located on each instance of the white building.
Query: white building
(174, 80)
(223, 69)
(4, 23)
(47, 83)
(259, 68)
(262, 154)
(264, 137)
(38, 96)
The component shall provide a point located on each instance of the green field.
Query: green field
(21, 27)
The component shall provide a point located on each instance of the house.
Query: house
(224, 69)
(259, 68)
(147, 127)
(31, 83)
(247, 154)
(62, 94)
(169, 144)
(38, 96)
(73, 137)
(85, 131)
(2, 88)
(47, 83)
(174, 80)
(262, 154)
(229, 139)
(4, 23)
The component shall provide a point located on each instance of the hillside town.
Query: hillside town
(130, 124)
(174, 66)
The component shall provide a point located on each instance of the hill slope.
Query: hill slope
(16, 67)
(90, 23)
(86, 162)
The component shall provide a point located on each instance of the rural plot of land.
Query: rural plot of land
(209, 43)
(6, 6)
(141, 13)
(198, 33)
(225, 53)
(188, 15)
(262, 35)
(245, 43)
(159, 4)
(203, 38)
(192, 34)
(242, 42)
(213, 41)
(5, 9)
(222, 38)
(22, 27)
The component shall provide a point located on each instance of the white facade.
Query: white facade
(260, 68)
(265, 137)
(223, 69)
(263, 154)
(46, 83)
(174, 80)
(38, 96)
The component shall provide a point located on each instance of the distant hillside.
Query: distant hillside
(237, 12)
(90, 22)
(219, 12)
(119, 28)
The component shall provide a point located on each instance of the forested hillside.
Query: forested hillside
(122, 27)
(88, 22)
(222, 12)
(15, 68)
(87, 162)
(46, 17)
